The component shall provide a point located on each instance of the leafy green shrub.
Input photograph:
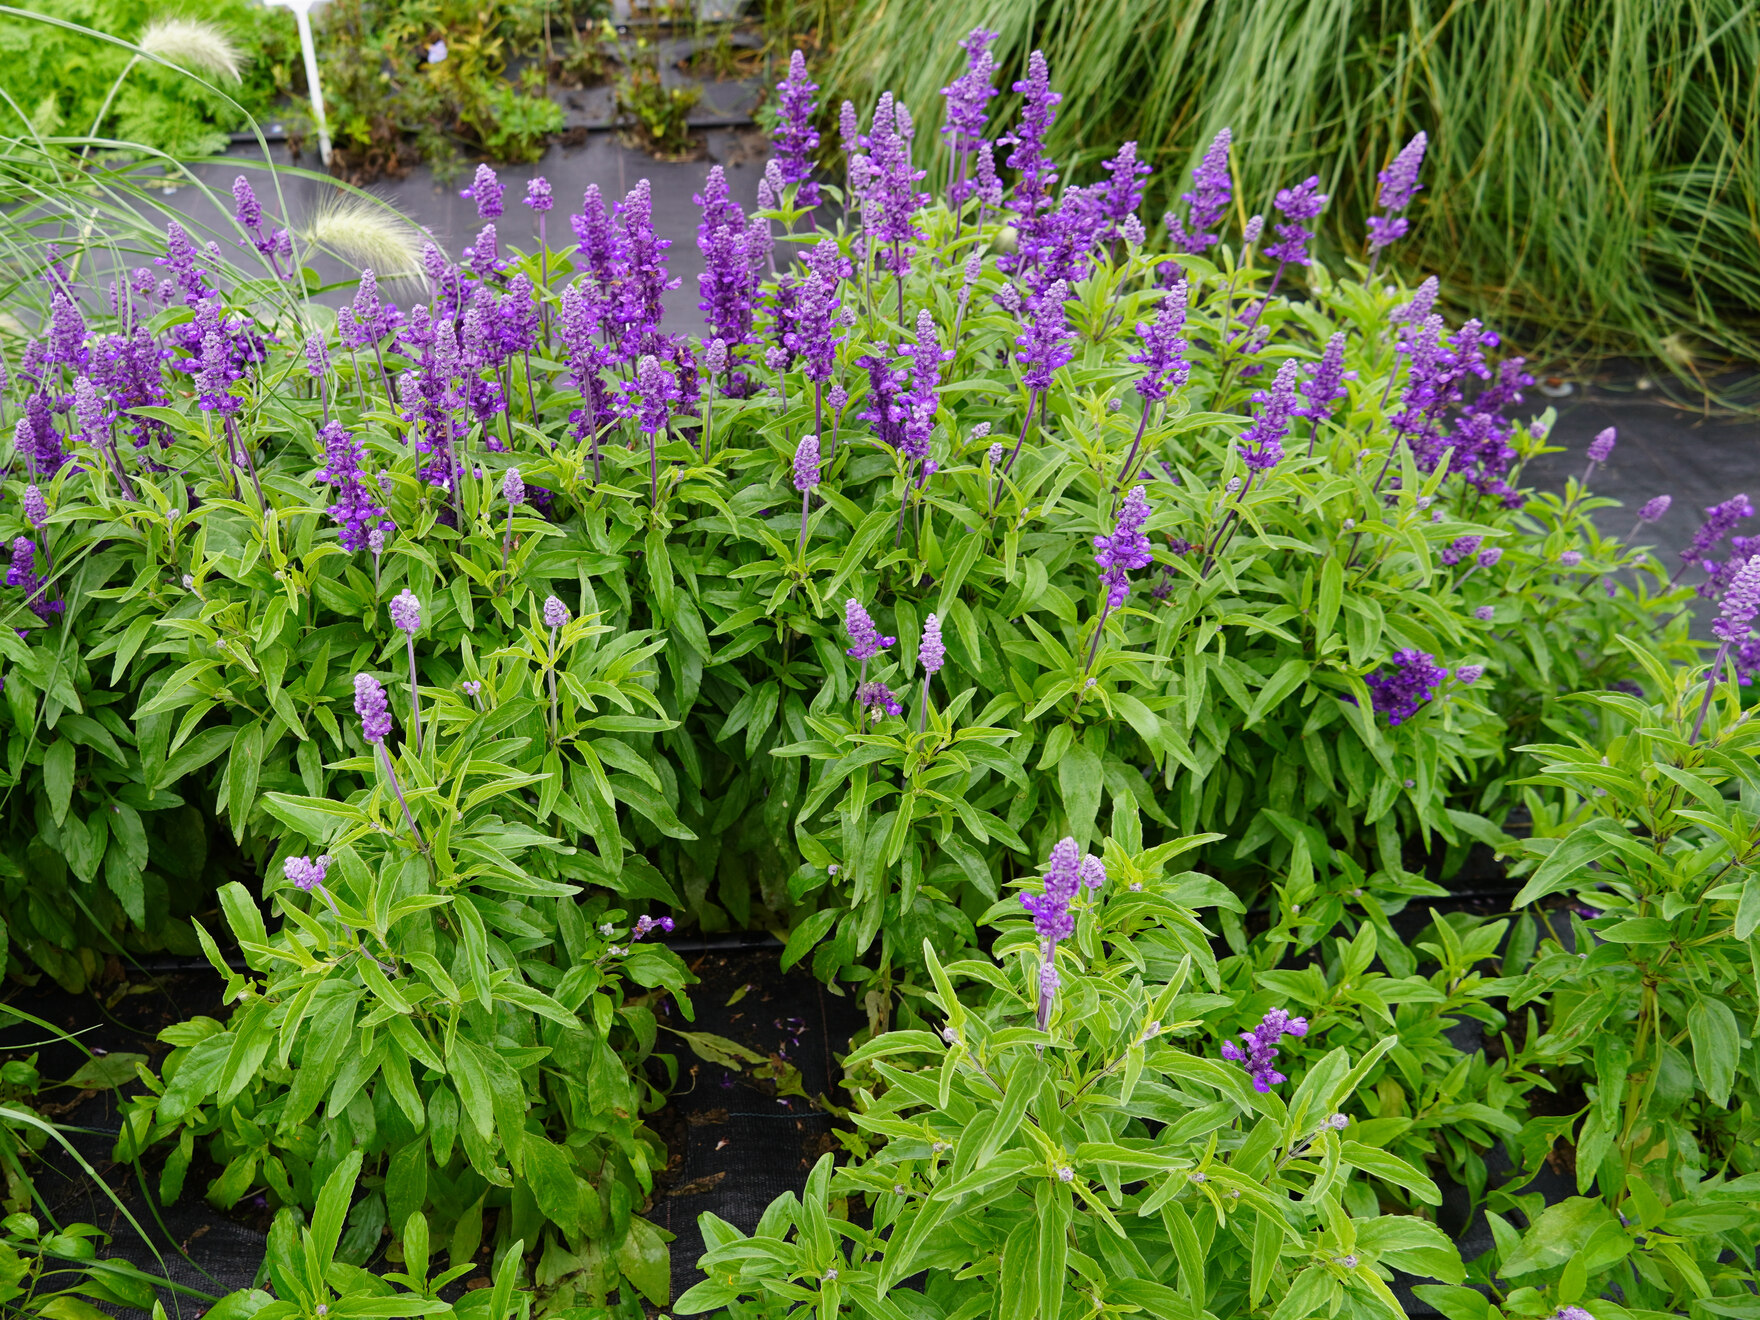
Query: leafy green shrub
(456, 1015)
(1095, 1158)
(962, 534)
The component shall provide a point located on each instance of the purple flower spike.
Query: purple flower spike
(513, 487)
(876, 696)
(1399, 184)
(1414, 680)
(306, 873)
(1207, 203)
(867, 640)
(1052, 918)
(806, 464)
(1399, 181)
(1044, 343)
(1601, 447)
(1488, 558)
(1262, 1047)
(36, 508)
(356, 499)
(1261, 444)
(1720, 521)
(968, 97)
(1297, 205)
(1163, 357)
(1120, 198)
(486, 191)
(1469, 673)
(1463, 548)
(555, 612)
(1093, 872)
(1033, 187)
(796, 138)
(538, 195)
(1324, 382)
(1484, 613)
(369, 704)
(406, 611)
(1126, 550)
(932, 651)
(1654, 508)
(1741, 601)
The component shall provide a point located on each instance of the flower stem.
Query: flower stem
(1099, 631)
(415, 696)
(397, 788)
(1711, 677)
(800, 549)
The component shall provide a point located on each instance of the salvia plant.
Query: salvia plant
(453, 627)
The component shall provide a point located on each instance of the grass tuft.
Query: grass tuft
(1592, 186)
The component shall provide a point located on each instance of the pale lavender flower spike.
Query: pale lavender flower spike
(867, 639)
(555, 612)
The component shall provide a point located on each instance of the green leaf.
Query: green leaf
(1391, 1168)
(243, 766)
(105, 1072)
(808, 933)
(645, 1261)
(1748, 911)
(1565, 864)
(1560, 1231)
(1081, 777)
(58, 777)
(1717, 1047)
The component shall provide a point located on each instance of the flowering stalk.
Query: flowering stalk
(370, 705)
(513, 490)
(932, 653)
(1740, 604)
(806, 477)
(555, 615)
(406, 614)
(1120, 553)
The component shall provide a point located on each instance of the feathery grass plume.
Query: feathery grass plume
(369, 235)
(191, 43)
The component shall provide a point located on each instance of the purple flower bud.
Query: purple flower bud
(1413, 681)
(933, 651)
(513, 487)
(555, 612)
(376, 541)
(1654, 508)
(36, 508)
(369, 704)
(486, 191)
(538, 195)
(1469, 673)
(1488, 558)
(1484, 613)
(1093, 872)
(993, 455)
(1570, 558)
(472, 687)
(406, 611)
(1252, 229)
(306, 874)
(715, 357)
(1601, 447)
(867, 640)
(806, 463)
(875, 695)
